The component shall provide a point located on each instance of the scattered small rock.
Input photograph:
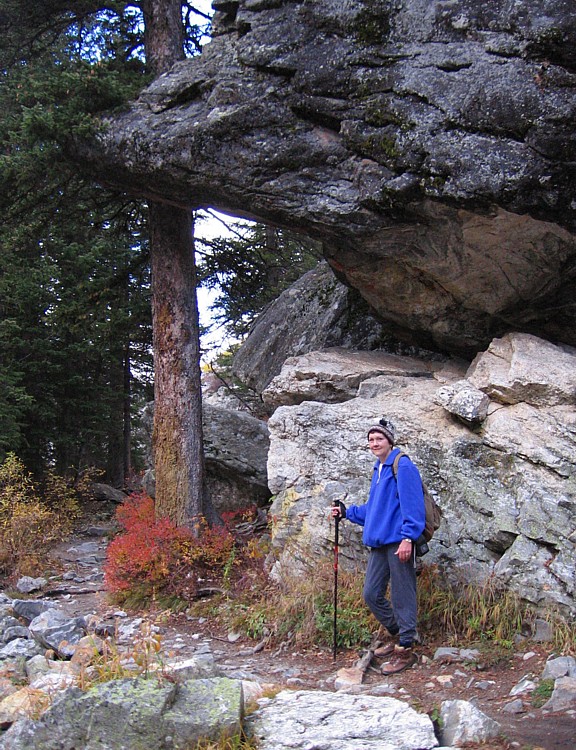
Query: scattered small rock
(514, 707)
(26, 584)
(525, 685)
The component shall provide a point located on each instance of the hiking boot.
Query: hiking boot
(402, 658)
(384, 648)
(383, 634)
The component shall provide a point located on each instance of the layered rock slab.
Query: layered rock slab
(135, 714)
(428, 146)
(302, 719)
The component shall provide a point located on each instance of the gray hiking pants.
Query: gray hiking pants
(398, 615)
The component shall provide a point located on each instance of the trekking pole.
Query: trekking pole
(335, 628)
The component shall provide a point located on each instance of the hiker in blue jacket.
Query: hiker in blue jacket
(393, 518)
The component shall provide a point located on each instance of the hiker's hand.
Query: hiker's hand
(404, 550)
(338, 510)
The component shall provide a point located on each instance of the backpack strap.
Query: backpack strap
(395, 464)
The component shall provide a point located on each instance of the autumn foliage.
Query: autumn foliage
(154, 560)
(33, 517)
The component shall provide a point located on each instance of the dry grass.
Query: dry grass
(300, 612)
(470, 612)
(108, 662)
(234, 742)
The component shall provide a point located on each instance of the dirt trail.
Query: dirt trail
(80, 591)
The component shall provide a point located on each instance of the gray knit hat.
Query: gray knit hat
(386, 428)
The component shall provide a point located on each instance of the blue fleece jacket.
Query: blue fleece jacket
(395, 509)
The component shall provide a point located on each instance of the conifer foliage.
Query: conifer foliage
(75, 321)
(249, 267)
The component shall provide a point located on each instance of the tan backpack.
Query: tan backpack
(433, 511)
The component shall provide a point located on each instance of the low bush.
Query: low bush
(152, 561)
(33, 517)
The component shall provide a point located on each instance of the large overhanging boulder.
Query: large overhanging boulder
(429, 145)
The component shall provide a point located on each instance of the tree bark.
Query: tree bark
(178, 439)
(181, 492)
(163, 34)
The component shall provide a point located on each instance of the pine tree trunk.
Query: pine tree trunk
(181, 492)
(177, 440)
(163, 34)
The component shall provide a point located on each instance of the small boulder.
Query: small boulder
(464, 401)
(28, 609)
(26, 584)
(462, 722)
(20, 648)
(108, 494)
(560, 666)
(53, 627)
(563, 696)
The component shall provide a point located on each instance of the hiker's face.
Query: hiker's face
(379, 445)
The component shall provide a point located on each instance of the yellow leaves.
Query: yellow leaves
(147, 647)
(30, 521)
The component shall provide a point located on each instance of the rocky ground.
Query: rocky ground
(79, 590)
(425, 686)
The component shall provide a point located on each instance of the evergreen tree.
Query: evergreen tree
(249, 267)
(64, 62)
(75, 255)
(74, 277)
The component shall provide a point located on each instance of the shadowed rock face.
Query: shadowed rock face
(429, 145)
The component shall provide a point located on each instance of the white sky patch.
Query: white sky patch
(209, 225)
(205, 6)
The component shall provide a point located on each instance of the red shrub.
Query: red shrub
(153, 557)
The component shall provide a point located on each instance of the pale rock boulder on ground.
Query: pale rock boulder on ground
(333, 375)
(522, 368)
(462, 722)
(304, 719)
